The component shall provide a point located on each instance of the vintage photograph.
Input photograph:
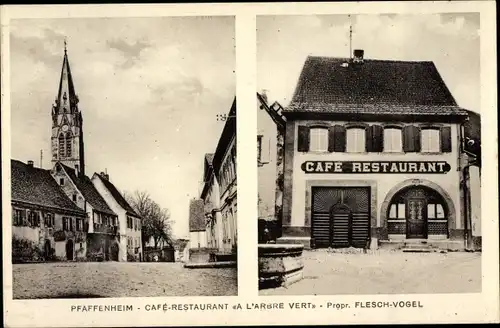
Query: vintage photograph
(123, 157)
(369, 154)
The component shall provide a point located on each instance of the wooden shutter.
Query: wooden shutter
(411, 139)
(303, 138)
(375, 139)
(339, 138)
(331, 139)
(445, 139)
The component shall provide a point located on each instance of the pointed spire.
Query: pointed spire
(66, 97)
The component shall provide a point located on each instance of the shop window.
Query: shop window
(318, 139)
(430, 141)
(356, 142)
(393, 141)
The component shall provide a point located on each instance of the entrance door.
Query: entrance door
(46, 250)
(340, 217)
(340, 223)
(69, 250)
(416, 222)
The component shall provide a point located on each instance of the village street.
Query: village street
(115, 279)
(385, 272)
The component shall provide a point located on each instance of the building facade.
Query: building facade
(129, 226)
(270, 138)
(373, 156)
(44, 217)
(101, 223)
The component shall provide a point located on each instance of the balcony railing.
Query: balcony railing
(101, 228)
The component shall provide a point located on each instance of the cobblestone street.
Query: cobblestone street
(114, 279)
(385, 272)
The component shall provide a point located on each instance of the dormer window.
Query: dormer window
(318, 141)
(61, 181)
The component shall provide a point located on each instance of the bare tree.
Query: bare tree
(156, 221)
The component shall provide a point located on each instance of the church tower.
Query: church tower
(67, 123)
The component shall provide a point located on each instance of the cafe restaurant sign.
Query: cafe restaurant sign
(375, 167)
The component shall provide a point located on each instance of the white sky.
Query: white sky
(451, 41)
(149, 90)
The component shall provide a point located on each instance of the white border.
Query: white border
(448, 308)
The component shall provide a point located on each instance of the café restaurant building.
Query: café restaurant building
(372, 156)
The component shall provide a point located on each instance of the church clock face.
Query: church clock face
(65, 128)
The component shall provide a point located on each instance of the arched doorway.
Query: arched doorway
(69, 250)
(418, 212)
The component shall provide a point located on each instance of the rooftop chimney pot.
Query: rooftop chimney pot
(30, 163)
(358, 55)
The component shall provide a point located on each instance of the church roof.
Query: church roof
(37, 187)
(88, 190)
(336, 85)
(66, 93)
(117, 196)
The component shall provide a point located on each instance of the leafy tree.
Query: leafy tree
(156, 221)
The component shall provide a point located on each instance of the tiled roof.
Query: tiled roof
(37, 186)
(117, 196)
(372, 87)
(88, 190)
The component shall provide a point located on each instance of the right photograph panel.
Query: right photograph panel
(369, 154)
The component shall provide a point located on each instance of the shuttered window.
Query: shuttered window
(318, 139)
(430, 139)
(411, 139)
(356, 142)
(339, 138)
(393, 140)
(375, 138)
(303, 139)
(445, 139)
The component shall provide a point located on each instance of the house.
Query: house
(102, 222)
(224, 170)
(373, 156)
(43, 215)
(129, 222)
(218, 202)
(270, 137)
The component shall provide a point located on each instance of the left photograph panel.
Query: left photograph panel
(123, 157)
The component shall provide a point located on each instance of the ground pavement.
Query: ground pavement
(385, 272)
(118, 279)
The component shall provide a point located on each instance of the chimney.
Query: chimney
(264, 95)
(30, 163)
(105, 175)
(358, 56)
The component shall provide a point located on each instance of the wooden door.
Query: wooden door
(340, 231)
(416, 214)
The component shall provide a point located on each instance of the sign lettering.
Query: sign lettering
(376, 167)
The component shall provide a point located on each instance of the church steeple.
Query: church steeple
(67, 122)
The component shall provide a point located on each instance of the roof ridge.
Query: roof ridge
(370, 59)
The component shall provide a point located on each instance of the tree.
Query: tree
(156, 221)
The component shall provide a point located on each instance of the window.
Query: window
(393, 142)
(69, 141)
(430, 141)
(74, 197)
(397, 211)
(48, 220)
(318, 139)
(259, 149)
(356, 142)
(435, 211)
(79, 225)
(34, 218)
(18, 217)
(65, 223)
(61, 146)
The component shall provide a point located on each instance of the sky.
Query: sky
(149, 90)
(451, 41)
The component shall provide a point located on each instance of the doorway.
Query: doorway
(416, 224)
(69, 250)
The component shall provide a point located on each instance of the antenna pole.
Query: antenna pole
(350, 37)
(41, 158)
